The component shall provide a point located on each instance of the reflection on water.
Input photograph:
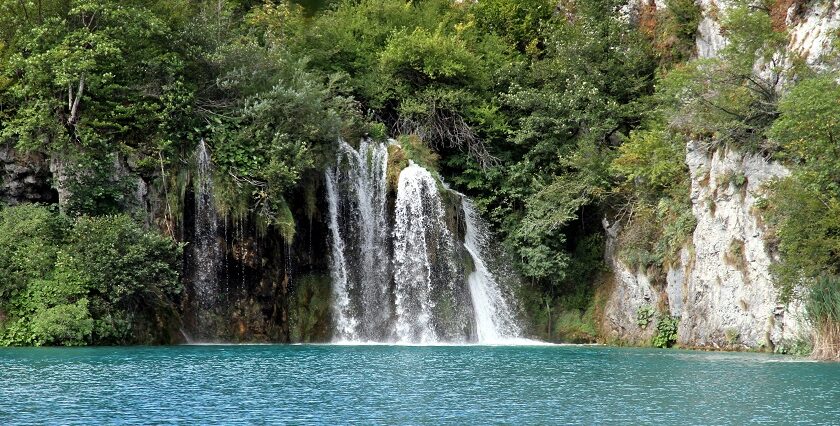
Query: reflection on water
(334, 384)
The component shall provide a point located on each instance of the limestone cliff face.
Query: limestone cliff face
(727, 295)
(810, 24)
(629, 291)
(722, 287)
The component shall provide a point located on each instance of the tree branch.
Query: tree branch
(74, 108)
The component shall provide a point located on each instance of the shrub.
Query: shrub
(68, 325)
(29, 236)
(676, 28)
(666, 331)
(88, 280)
(654, 180)
(732, 335)
(644, 315)
(803, 210)
(729, 100)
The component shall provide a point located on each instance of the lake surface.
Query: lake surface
(328, 384)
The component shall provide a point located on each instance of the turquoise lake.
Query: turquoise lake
(326, 384)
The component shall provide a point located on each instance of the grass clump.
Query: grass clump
(823, 310)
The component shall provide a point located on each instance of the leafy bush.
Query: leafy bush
(654, 191)
(644, 315)
(94, 187)
(82, 281)
(68, 325)
(29, 237)
(652, 161)
(803, 210)
(666, 331)
(677, 29)
(519, 23)
(727, 100)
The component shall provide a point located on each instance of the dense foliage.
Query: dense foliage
(551, 115)
(83, 281)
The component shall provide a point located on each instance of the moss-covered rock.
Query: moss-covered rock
(309, 311)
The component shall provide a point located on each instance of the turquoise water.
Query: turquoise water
(414, 385)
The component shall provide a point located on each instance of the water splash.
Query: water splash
(432, 304)
(409, 286)
(418, 213)
(345, 323)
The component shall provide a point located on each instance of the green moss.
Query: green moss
(285, 222)
(397, 160)
(576, 326)
(230, 198)
(418, 151)
(309, 310)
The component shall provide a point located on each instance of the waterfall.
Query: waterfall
(356, 192)
(405, 280)
(419, 232)
(207, 253)
(494, 317)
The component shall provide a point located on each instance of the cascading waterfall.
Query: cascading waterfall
(207, 253)
(495, 318)
(356, 192)
(408, 285)
(413, 271)
(425, 272)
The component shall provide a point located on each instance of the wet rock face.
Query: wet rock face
(24, 178)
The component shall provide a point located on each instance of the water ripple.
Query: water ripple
(327, 384)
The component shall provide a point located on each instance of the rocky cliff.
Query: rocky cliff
(721, 289)
(24, 178)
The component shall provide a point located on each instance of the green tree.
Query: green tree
(731, 99)
(803, 209)
(84, 281)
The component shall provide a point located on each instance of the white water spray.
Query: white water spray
(495, 319)
(356, 191)
(409, 286)
(418, 210)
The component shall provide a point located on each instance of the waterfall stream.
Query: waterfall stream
(356, 193)
(207, 252)
(408, 279)
(494, 316)
(425, 268)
